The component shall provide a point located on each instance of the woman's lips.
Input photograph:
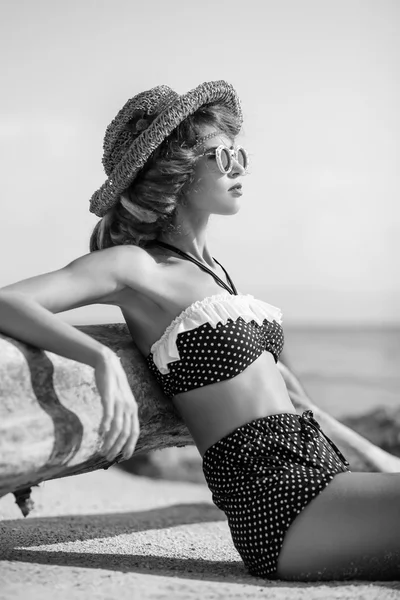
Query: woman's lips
(238, 186)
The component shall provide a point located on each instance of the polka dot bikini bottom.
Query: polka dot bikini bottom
(263, 474)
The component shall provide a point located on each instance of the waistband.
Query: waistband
(304, 423)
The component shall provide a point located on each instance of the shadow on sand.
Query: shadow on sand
(18, 536)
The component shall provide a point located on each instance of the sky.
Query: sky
(318, 232)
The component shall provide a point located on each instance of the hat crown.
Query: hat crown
(133, 118)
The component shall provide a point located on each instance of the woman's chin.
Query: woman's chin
(230, 210)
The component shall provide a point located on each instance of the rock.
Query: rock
(50, 410)
(380, 426)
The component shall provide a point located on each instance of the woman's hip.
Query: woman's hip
(269, 448)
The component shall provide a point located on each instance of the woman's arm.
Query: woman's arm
(27, 307)
(25, 319)
(27, 313)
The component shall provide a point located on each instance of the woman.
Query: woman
(294, 508)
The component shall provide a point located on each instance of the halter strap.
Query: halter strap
(194, 260)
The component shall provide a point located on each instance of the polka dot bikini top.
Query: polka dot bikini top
(215, 338)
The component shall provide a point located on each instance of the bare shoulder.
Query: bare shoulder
(122, 256)
(135, 267)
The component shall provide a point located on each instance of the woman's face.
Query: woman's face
(209, 191)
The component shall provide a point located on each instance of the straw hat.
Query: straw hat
(158, 112)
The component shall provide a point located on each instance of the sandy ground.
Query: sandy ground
(109, 534)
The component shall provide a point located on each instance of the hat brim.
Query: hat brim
(139, 151)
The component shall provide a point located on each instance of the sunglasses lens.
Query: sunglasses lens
(225, 159)
(242, 157)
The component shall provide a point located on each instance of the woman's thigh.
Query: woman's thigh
(351, 530)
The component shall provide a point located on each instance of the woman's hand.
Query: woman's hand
(120, 422)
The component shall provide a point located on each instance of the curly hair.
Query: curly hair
(148, 206)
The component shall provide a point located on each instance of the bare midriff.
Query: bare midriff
(213, 411)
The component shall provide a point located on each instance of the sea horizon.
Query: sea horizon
(347, 370)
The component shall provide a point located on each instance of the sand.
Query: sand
(109, 534)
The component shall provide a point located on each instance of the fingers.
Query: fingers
(108, 402)
(120, 439)
(108, 415)
(133, 437)
(123, 433)
(120, 423)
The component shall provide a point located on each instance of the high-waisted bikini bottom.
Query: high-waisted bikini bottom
(263, 474)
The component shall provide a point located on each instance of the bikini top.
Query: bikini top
(215, 338)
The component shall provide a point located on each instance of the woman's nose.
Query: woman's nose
(237, 167)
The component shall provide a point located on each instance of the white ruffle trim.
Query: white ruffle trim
(213, 309)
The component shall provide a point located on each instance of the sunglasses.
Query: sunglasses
(224, 157)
